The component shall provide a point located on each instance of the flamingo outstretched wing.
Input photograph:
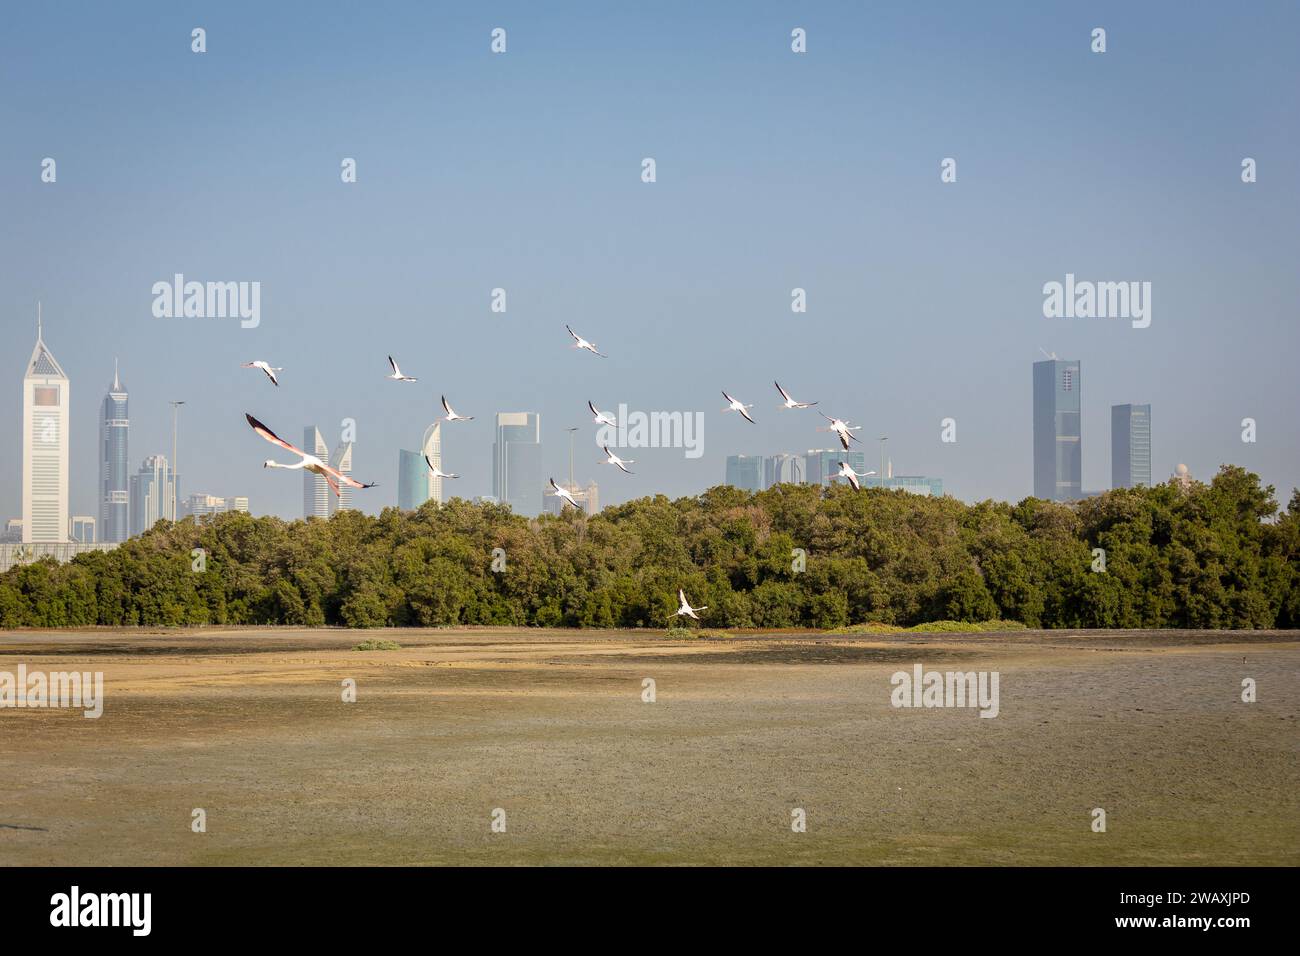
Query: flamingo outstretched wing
(271, 436)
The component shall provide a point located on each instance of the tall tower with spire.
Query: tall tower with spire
(315, 489)
(44, 445)
(114, 481)
(343, 462)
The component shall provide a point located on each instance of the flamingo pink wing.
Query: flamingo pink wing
(271, 436)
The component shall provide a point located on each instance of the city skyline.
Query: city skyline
(152, 492)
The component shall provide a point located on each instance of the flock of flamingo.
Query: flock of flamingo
(307, 462)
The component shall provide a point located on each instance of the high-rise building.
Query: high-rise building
(913, 484)
(1130, 446)
(316, 491)
(517, 462)
(823, 464)
(342, 463)
(44, 446)
(81, 529)
(1058, 455)
(114, 470)
(745, 471)
(415, 482)
(431, 445)
(412, 480)
(199, 505)
(783, 469)
(151, 494)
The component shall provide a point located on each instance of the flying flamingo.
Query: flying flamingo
(686, 609)
(266, 367)
(842, 428)
(790, 402)
(397, 375)
(451, 415)
(846, 471)
(602, 418)
(566, 494)
(437, 472)
(615, 460)
(308, 462)
(581, 343)
(736, 405)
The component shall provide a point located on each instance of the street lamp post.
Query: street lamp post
(571, 431)
(175, 411)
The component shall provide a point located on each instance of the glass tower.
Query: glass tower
(1058, 455)
(114, 477)
(517, 462)
(745, 471)
(1130, 446)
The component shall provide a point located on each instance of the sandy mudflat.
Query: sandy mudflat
(550, 726)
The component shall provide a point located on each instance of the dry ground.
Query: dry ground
(550, 726)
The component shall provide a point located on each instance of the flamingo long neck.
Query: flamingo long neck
(276, 464)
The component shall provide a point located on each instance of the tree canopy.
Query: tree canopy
(1217, 555)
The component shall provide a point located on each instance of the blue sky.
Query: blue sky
(775, 170)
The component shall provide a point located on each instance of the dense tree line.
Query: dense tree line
(1216, 555)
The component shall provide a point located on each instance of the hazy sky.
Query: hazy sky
(775, 170)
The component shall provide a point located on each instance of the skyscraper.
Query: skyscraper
(1130, 446)
(415, 482)
(315, 489)
(151, 494)
(199, 505)
(431, 445)
(81, 529)
(783, 469)
(342, 462)
(745, 471)
(517, 462)
(1058, 455)
(44, 446)
(114, 478)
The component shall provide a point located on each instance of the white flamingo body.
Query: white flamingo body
(846, 471)
(451, 415)
(790, 402)
(397, 375)
(841, 428)
(437, 472)
(580, 343)
(305, 461)
(602, 418)
(566, 494)
(266, 367)
(736, 405)
(686, 610)
(613, 459)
